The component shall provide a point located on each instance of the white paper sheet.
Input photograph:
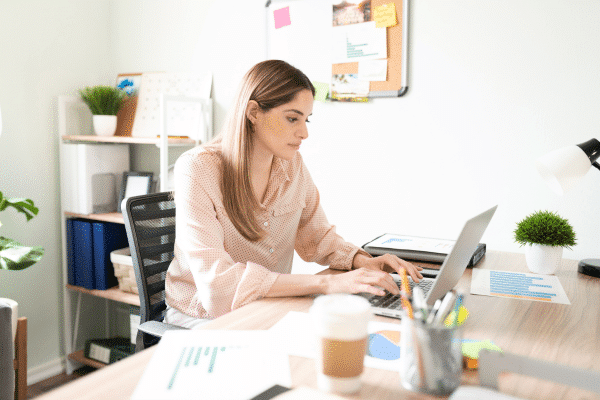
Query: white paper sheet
(299, 341)
(216, 365)
(358, 42)
(372, 70)
(518, 285)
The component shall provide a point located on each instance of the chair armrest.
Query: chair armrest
(158, 329)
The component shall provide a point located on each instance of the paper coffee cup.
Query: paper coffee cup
(340, 323)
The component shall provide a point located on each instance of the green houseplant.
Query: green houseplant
(13, 255)
(546, 234)
(104, 103)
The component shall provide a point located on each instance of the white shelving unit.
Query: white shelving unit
(74, 122)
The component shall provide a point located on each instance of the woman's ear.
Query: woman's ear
(252, 111)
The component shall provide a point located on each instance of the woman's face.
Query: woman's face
(281, 130)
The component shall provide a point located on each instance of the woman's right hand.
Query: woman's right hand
(361, 280)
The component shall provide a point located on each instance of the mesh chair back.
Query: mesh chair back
(150, 225)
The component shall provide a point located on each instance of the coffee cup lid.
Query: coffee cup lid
(341, 306)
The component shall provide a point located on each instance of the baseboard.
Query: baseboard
(45, 371)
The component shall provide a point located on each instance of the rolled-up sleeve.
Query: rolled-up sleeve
(204, 281)
(317, 240)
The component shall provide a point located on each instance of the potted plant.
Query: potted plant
(546, 234)
(13, 255)
(104, 103)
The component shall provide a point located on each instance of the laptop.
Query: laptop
(450, 272)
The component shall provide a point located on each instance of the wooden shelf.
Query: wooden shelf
(80, 358)
(117, 218)
(114, 294)
(127, 140)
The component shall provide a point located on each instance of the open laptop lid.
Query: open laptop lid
(456, 262)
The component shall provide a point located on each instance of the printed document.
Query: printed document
(358, 42)
(207, 364)
(518, 285)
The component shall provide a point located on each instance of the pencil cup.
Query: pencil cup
(340, 323)
(430, 357)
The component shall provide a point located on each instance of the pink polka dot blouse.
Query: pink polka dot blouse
(216, 269)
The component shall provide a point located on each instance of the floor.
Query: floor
(37, 389)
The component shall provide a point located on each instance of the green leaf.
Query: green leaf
(14, 256)
(24, 206)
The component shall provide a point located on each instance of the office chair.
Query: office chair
(150, 226)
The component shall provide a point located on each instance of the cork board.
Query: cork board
(305, 43)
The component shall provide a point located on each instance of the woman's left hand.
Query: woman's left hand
(392, 261)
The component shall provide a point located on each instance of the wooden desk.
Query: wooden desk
(553, 332)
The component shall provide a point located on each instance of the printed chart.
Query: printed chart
(187, 364)
(384, 345)
(518, 285)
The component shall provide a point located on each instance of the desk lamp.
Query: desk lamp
(561, 169)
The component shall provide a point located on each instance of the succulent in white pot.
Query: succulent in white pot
(104, 103)
(545, 234)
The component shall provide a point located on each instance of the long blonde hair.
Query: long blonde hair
(270, 83)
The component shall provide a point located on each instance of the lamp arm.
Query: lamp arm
(595, 164)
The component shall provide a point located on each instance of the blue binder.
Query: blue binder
(84, 254)
(70, 253)
(107, 237)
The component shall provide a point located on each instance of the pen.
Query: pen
(419, 302)
(436, 307)
(445, 307)
(405, 286)
(459, 301)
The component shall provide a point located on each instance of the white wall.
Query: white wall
(46, 49)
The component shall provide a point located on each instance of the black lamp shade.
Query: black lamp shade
(591, 148)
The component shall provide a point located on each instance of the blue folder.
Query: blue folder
(70, 253)
(107, 237)
(83, 254)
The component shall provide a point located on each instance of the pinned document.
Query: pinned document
(385, 15)
(372, 70)
(321, 91)
(219, 364)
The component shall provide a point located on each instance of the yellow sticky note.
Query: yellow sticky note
(463, 313)
(321, 91)
(385, 15)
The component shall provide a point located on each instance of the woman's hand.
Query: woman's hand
(392, 261)
(362, 280)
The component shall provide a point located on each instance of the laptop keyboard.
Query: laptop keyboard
(393, 301)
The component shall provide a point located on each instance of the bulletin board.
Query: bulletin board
(306, 42)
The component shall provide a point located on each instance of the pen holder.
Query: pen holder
(430, 357)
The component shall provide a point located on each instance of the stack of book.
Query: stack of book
(88, 252)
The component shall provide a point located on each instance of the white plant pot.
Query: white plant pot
(105, 125)
(542, 259)
(15, 314)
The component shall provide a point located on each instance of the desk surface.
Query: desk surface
(565, 334)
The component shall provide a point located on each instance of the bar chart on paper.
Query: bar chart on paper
(203, 364)
(518, 285)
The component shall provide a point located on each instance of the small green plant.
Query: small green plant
(13, 255)
(103, 100)
(545, 228)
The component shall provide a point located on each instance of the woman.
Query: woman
(245, 201)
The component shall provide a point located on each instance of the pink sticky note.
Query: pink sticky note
(282, 17)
